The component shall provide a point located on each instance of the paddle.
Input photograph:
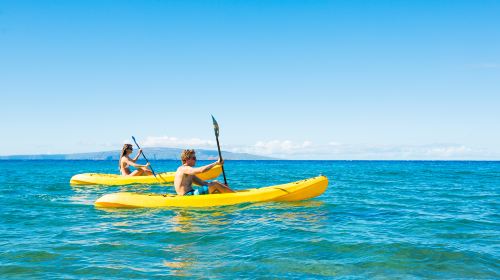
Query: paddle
(216, 130)
(133, 138)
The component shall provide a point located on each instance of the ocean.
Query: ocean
(377, 220)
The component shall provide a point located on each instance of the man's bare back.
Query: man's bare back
(183, 182)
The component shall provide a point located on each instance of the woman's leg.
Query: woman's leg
(146, 171)
(137, 172)
(143, 171)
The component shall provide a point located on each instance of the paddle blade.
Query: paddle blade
(216, 127)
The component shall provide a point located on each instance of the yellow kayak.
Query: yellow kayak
(114, 179)
(299, 190)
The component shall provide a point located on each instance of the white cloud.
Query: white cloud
(174, 142)
(333, 150)
(448, 151)
(287, 149)
(335, 144)
(276, 148)
(408, 152)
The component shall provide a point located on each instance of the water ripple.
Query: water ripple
(403, 220)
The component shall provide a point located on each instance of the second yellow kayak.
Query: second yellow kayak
(293, 191)
(114, 179)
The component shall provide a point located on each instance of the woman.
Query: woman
(125, 162)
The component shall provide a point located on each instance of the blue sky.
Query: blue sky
(291, 79)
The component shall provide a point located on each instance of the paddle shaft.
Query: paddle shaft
(145, 157)
(220, 156)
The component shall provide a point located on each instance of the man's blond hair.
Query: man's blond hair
(187, 154)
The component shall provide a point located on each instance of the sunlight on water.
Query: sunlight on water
(376, 220)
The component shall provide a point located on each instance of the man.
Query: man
(185, 176)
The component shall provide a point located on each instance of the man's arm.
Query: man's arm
(197, 170)
(199, 181)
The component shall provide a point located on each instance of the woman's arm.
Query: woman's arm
(132, 163)
(137, 156)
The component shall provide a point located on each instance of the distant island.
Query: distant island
(151, 153)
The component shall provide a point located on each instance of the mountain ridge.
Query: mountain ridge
(152, 153)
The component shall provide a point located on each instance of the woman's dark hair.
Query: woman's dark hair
(124, 149)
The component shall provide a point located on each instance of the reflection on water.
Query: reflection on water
(393, 220)
(139, 188)
(88, 194)
(182, 259)
(182, 222)
(295, 214)
(197, 221)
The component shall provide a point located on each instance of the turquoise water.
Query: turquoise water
(378, 219)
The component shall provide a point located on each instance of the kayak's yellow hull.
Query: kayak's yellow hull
(299, 190)
(114, 179)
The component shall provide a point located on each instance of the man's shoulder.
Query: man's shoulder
(182, 168)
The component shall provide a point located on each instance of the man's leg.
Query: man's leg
(217, 187)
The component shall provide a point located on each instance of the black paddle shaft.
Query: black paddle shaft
(220, 156)
(216, 131)
(133, 138)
